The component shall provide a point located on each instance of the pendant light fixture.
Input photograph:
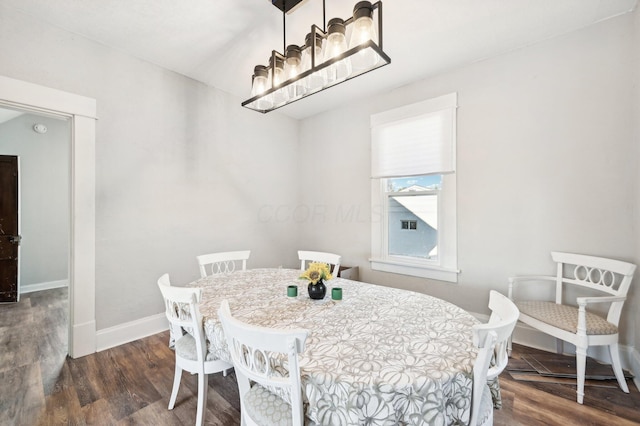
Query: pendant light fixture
(336, 53)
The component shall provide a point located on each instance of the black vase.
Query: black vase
(317, 291)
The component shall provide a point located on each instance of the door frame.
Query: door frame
(81, 111)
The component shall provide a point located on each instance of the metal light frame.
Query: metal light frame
(315, 67)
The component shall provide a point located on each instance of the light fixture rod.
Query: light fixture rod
(324, 17)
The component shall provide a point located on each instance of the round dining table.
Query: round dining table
(379, 356)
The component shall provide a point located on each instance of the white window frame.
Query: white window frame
(445, 267)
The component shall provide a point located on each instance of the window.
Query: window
(413, 189)
(409, 224)
(414, 202)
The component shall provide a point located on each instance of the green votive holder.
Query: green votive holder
(336, 293)
(292, 291)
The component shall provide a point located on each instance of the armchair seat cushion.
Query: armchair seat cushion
(565, 317)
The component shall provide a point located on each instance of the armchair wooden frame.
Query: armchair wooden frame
(572, 322)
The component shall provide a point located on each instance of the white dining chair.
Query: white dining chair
(275, 397)
(571, 322)
(491, 339)
(318, 256)
(223, 262)
(181, 309)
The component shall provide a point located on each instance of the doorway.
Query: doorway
(81, 113)
(39, 146)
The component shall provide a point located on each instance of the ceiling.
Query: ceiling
(219, 42)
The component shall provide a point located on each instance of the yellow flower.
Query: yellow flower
(315, 272)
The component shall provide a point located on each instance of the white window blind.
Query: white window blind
(416, 139)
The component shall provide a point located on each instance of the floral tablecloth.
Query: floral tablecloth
(380, 356)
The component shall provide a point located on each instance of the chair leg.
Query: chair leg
(176, 385)
(203, 385)
(617, 368)
(581, 363)
(243, 388)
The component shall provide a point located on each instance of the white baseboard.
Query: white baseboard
(530, 337)
(30, 288)
(82, 340)
(130, 331)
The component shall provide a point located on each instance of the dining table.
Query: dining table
(378, 356)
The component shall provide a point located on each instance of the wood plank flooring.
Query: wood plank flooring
(131, 384)
(548, 403)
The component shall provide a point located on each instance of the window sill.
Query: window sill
(416, 270)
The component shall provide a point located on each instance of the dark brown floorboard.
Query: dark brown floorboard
(131, 384)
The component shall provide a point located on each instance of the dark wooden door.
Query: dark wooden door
(9, 238)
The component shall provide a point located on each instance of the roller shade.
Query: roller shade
(417, 139)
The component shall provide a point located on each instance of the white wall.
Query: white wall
(44, 185)
(181, 168)
(546, 161)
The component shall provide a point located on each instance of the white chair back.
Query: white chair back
(254, 350)
(492, 340)
(223, 262)
(318, 256)
(181, 309)
(164, 280)
(173, 331)
(597, 273)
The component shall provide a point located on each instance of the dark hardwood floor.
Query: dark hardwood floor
(131, 384)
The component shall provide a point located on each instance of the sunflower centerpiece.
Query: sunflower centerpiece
(315, 274)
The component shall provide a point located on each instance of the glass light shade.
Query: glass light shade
(277, 77)
(276, 72)
(335, 45)
(260, 84)
(315, 81)
(363, 29)
(293, 68)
